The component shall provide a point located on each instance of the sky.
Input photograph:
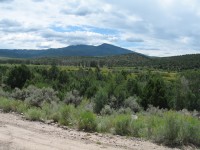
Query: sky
(152, 27)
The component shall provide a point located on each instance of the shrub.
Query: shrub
(33, 114)
(66, 115)
(36, 97)
(151, 110)
(5, 105)
(132, 103)
(21, 107)
(12, 105)
(18, 106)
(106, 110)
(19, 94)
(100, 100)
(138, 127)
(179, 129)
(87, 121)
(153, 125)
(105, 124)
(112, 101)
(155, 92)
(124, 111)
(73, 97)
(3, 93)
(122, 124)
(49, 95)
(18, 76)
(50, 111)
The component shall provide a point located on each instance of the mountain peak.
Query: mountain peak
(74, 50)
(106, 44)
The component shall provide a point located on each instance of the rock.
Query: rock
(134, 117)
(49, 121)
(88, 134)
(56, 125)
(65, 127)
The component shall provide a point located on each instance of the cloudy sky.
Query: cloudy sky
(152, 27)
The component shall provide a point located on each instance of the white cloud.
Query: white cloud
(165, 26)
(5, 1)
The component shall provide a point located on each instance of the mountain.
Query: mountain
(77, 50)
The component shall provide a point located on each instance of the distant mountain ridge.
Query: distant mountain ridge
(76, 50)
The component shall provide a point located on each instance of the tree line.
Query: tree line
(109, 90)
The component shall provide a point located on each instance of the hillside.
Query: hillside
(77, 50)
(133, 59)
(125, 60)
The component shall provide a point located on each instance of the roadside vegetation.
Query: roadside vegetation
(156, 105)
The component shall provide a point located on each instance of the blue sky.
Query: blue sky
(152, 27)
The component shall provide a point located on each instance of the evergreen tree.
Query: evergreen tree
(100, 100)
(18, 76)
(155, 93)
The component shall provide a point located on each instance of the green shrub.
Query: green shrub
(124, 111)
(35, 96)
(87, 121)
(66, 115)
(33, 114)
(122, 124)
(19, 94)
(153, 125)
(73, 97)
(138, 127)
(5, 105)
(179, 129)
(106, 110)
(18, 76)
(194, 130)
(19, 106)
(100, 100)
(172, 129)
(132, 103)
(4, 93)
(105, 124)
(151, 110)
(55, 116)
(51, 111)
(12, 105)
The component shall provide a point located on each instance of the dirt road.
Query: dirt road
(19, 134)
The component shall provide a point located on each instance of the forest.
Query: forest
(160, 105)
(175, 63)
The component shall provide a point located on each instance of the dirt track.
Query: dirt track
(19, 134)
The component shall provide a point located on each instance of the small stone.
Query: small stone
(49, 121)
(134, 117)
(64, 127)
(88, 134)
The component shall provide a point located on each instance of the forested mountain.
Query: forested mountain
(102, 55)
(76, 50)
